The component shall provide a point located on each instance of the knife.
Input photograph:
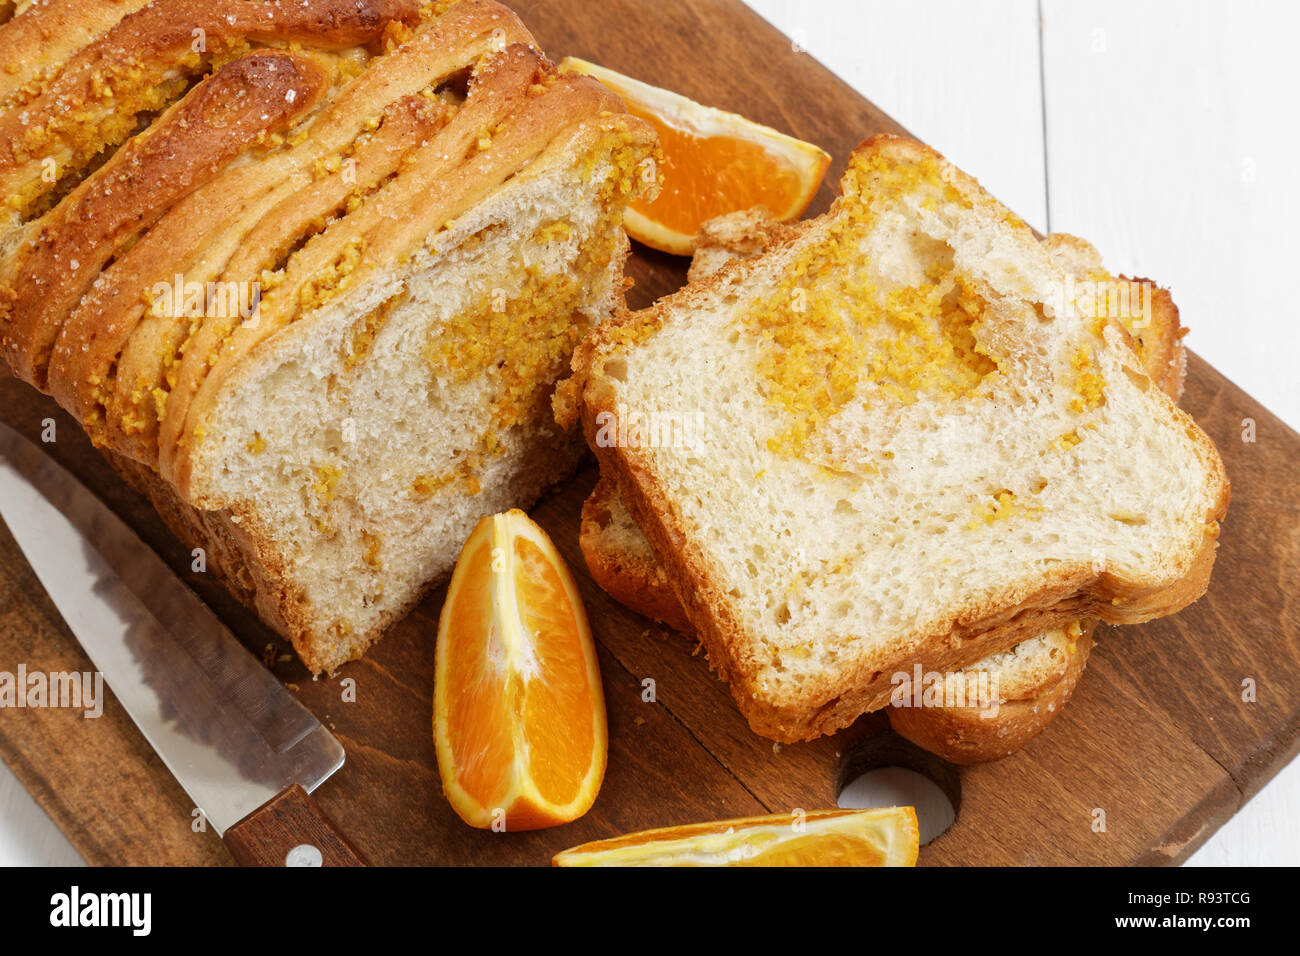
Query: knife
(248, 754)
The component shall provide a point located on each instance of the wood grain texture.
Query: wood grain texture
(268, 835)
(1156, 739)
(98, 778)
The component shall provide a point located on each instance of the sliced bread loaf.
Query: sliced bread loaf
(317, 306)
(1031, 682)
(896, 437)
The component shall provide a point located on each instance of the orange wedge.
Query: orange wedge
(884, 837)
(713, 163)
(518, 712)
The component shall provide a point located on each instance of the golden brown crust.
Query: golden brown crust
(217, 349)
(147, 58)
(259, 94)
(237, 259)
(634, 580)
(1158, 338)
(1071, 591)
(224, 201)
(526, 107)
(739, 235)
(47, 34)
(226, 231)
(968, 735)
(229, 554)
(1160, 344)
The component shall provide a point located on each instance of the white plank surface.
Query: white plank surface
(1171, 128)
(962, 76)
(1172, 137)
(27, 836)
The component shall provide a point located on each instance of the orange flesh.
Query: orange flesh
(704, 177)
(827, 850)
(518, 709)
(557, 706)
(832, 838)
(480, 721)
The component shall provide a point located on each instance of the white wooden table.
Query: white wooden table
(1165, 132)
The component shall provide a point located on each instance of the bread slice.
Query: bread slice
(621, 560)
(1032, 683)
(894, 438)
(739, 235)
(1034, 679)
(430, 217)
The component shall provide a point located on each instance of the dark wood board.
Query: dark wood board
(1157, 735)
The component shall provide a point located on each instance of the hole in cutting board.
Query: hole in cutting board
(881, 769)
(901, 787)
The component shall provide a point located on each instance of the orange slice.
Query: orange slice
(518, 712)
(713, 163)
(883, 837)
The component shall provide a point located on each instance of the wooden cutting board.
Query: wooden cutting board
(1158, 735)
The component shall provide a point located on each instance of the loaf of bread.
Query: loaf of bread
(894, 438)
(308, 271)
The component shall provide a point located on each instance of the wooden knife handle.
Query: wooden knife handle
(290, 824)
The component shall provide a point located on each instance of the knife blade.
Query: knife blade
(232, 735)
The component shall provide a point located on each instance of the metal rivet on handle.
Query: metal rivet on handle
(304, 854)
